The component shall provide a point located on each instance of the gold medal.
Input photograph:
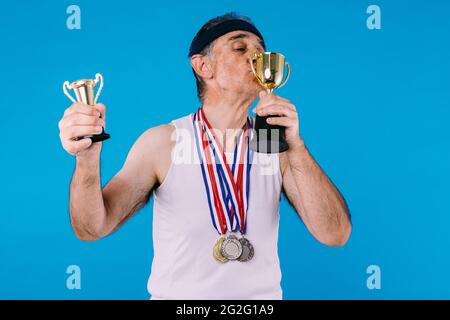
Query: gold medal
(217, 250)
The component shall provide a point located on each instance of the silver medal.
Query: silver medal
(231, 248)
(247, 250)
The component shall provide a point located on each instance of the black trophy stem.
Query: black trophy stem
(268, 138)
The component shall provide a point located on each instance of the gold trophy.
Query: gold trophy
(268, 68)
(84, 91)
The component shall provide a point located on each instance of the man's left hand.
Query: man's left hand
(272, 104)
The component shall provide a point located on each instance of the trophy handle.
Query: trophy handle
(98, 77)
(287, 75)
(253, 68)
(65, 86)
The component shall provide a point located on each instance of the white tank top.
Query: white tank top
(183, 265)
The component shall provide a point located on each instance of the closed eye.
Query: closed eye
(240, 49)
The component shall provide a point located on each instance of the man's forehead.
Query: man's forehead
(238, 34)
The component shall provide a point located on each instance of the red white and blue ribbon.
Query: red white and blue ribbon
(227, 189)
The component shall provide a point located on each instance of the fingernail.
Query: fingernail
(98, 129)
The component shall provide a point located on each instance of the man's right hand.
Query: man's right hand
(82, 120)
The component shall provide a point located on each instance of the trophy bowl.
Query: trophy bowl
(269, 70)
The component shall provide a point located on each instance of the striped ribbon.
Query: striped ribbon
(227, 189)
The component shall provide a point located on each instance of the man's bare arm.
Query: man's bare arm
(314, 197)
(96, 213)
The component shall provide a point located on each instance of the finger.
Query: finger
(101, 108)
(279, 108)
(73, 147)
(82, 108)
(280, 121)
(276, 97)
(79, 119)
(273, 98)
(262, 94)
(264, 101)
(79, 131)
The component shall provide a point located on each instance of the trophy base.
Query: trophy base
(96, 137)
(268, 146)
(100, 137)
(268, 138)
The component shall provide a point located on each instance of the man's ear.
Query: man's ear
(202, 66)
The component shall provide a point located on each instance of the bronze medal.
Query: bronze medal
(247, 250)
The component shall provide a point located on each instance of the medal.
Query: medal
(216, 250)
(227, 189)
(247, 250)
(231, 248)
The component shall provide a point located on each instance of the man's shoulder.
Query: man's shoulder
(158, 136)
(163, 134)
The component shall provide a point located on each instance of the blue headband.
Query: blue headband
(211, 34)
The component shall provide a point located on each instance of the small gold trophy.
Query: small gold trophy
(84, 91)
(268, 68)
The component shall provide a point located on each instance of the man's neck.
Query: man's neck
(226, 115)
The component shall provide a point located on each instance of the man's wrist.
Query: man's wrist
(88, 161)
(297, 146)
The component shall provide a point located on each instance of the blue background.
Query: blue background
(374, 110)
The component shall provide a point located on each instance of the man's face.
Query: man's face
(231, 56)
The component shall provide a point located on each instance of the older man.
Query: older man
(215, 218)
